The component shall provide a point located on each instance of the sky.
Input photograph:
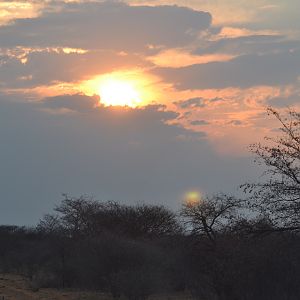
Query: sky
(138, 101)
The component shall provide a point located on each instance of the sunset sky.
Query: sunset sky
(138, 101)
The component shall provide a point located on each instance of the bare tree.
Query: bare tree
(83, 216)
(279, 196)
(211, 215)
(155, 221)
(50, 225)
(137, 221)
(77, 214)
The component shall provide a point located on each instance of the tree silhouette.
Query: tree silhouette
(278, 198)
(211, 215)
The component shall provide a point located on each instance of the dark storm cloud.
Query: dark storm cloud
(108, 25)
(243, 72)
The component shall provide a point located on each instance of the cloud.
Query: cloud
(199, 122)
(191, 103)
(175, 58)
(284, 101)
(108, 25)
(255, 44)
(47, 66)
(281, 15)
(197, 102)
(102, 37)
(236, 32)
(128, 155)
(224, 12)
(235, 122)
(243, 72)
(71, 143)
(11, 10)
(72, 103)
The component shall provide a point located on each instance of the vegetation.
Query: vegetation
(220, 248)
(279, 196)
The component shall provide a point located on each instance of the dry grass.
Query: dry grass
(14, 287)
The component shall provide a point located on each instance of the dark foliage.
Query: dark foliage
(211, 252)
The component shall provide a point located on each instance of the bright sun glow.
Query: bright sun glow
(124, 88)
(192, 198)
(119, 93)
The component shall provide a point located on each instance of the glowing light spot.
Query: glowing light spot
(192, 198)
(119, 93)
(123, 88)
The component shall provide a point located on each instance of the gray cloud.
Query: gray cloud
(235, 122)
(254, 44)
(199, 123)
(46, 67)
(243, 72)
(75, 103)
(128, 155)
(284, 17)
(191, 103)
(197, 102)
(284, 101)
(108, 25)
(104, 29)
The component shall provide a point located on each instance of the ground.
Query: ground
(15, 287)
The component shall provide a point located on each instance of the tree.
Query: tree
(77, 214)
(211, 215)
(50, 225)
(148, 221)
(84, 216)
(278, 197)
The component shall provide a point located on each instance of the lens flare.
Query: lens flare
(192, 198)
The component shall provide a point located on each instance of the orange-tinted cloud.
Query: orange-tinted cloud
(175, 58)
(12, 10)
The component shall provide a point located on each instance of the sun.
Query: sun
(131, 88)
(116, 92)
